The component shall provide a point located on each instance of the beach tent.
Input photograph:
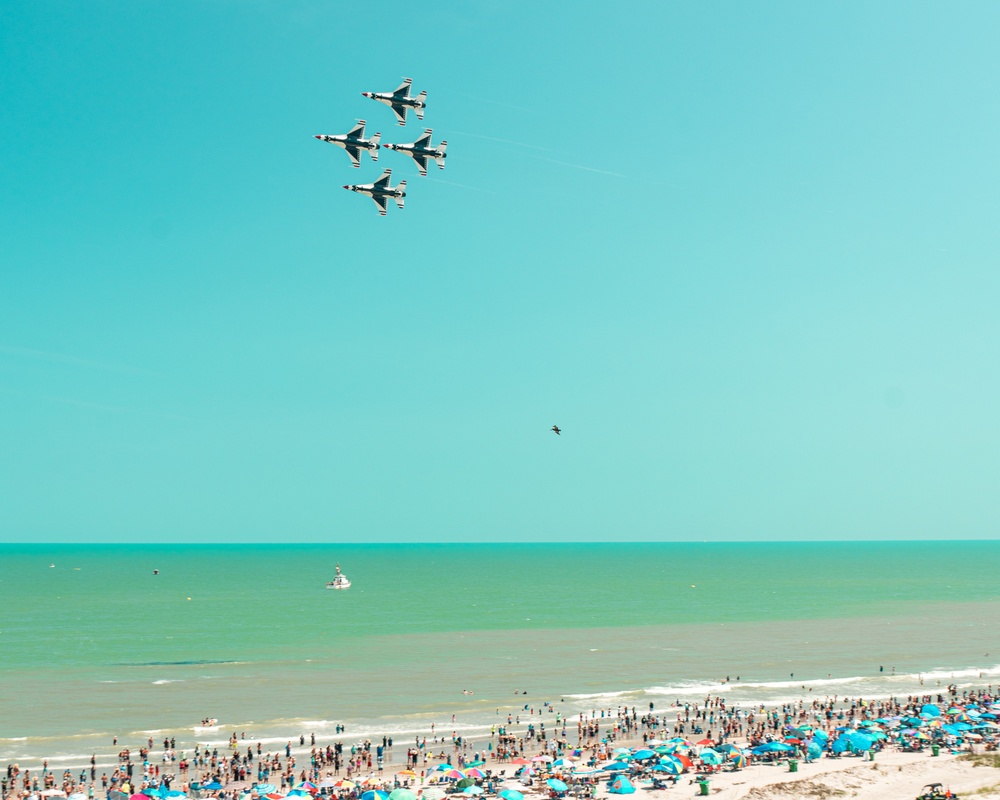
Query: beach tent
(622, 785)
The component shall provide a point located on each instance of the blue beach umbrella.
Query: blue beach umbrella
(814, 750)
(262, 788)
(710, 757)
(470, 790)
(642, 755)
(616, 766)
(511, 794)
(622, 785)
(556, 785)
(930, 710)
(214, 786)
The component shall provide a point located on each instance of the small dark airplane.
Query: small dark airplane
(556, 429)
(400, 101)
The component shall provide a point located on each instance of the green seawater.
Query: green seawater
(97, 645)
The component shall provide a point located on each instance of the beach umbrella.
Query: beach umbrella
(643, 755)
(475, 763)
(615, 766)
(345, 784)
(274, 796)
(442, 767)
(819, 733)
(264, 788)
(930, 710)
(556, 785)
(542, 758)
(465, 782)
(374, 794)
(212, 786)
(563, 762)
(511, 794)
(472, 790)
(78, 796)
(621, 785)
(474, 773)
(739, 760)
(432, 793)
(409, 773)
(727, 747)
(814, 750)
(56, 793)
(454, 774)
(710, 757)
(519, 761)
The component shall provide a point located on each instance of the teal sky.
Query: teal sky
(745, 255)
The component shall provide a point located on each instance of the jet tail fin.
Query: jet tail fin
(374, 151)
(399, 200)
(422, 97)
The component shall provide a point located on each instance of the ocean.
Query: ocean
(94, 645)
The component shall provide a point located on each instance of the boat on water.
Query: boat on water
(339, 581)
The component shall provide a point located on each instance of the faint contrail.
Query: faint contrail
(62, 358)
(579, 166)
(462, 185)
(505, 141)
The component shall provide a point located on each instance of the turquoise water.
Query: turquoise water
(97, 645)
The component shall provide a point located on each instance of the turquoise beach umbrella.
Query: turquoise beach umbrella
(556, 785)
(402, 794)
(511, 794)
(710, 757)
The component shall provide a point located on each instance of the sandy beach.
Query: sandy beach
(896, 747)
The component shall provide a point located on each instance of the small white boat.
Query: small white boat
(339, 581)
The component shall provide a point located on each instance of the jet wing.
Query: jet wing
(355, 154)
(380, 200)
(404, 88)
(383, 182)
(425, 139)
(400, 111)
(421, 162)
(358, 131)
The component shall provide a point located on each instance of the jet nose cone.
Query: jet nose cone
(317, 136)
(345, 187)
(366, 94)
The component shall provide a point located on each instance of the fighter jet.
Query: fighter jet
(422, 151)
(354, 142)
(381, 191)
(400, 100)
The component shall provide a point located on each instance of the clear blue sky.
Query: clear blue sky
(745, 255)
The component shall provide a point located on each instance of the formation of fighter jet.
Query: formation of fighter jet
(399, 101)
(422, 151)
(354, 142)
(381, 192)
